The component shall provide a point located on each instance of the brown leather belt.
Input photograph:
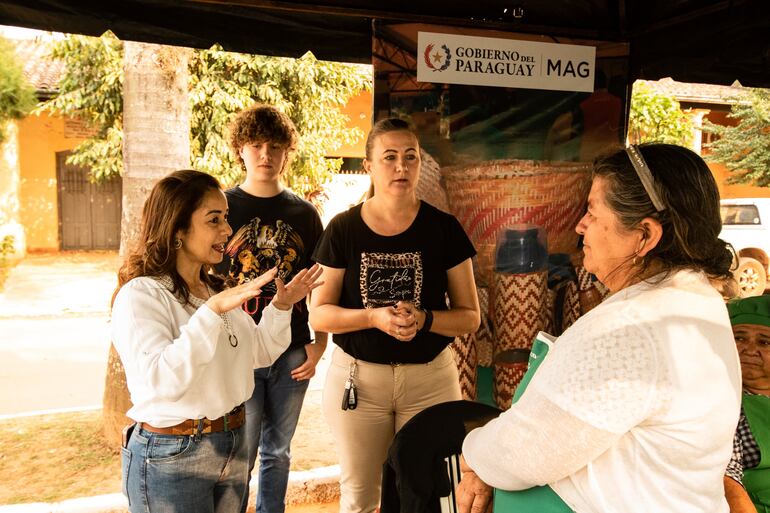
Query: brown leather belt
(227, 422)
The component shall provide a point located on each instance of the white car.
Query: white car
(746, 225)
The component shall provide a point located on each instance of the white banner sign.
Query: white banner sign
(486, 61)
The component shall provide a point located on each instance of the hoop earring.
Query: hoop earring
(635, 260)
(177, 243)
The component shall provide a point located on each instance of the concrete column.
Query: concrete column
(10, 185)
(697, 134)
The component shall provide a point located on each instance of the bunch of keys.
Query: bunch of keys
(350, 396)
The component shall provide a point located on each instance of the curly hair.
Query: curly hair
(262, 123)
(168, 210)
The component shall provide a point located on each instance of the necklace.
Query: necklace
(196, 302)
(232, 338)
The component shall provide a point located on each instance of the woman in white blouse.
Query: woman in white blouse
(634, 407)
(189, 351)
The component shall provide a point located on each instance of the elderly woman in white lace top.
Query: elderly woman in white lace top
(634, 408)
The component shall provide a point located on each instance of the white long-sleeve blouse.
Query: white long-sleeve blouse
(178, 358)
(632, 411)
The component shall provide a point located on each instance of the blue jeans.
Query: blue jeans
(185, 474)
(271, 419)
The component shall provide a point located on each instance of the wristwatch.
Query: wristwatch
(428, 321)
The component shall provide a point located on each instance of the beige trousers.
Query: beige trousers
(388, 396)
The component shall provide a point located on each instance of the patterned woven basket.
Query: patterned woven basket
(507, 378)
(484, 336)
(488, 197)
(519, 309)
(510, 367)
(547, 313)
(571, 308)
(429, 186)
(464, 349)
(585, 281)
(590, 292)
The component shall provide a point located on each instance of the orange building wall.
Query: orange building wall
(359, 110)
(721, 173)
(40, 137)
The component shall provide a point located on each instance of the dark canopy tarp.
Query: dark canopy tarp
(716, 41)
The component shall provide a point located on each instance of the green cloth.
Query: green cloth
(757, 479)
(540, 499)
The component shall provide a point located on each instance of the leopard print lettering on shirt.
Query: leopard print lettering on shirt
(387, 278)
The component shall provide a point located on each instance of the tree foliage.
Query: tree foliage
(17, 96)
(91, 89)
(309, 91)
(745, 148)
(656, 117)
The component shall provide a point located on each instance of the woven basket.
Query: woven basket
(507, 378)
(429, 186)
(488, 197)
(584, 279)
(484, 336)
(464, 350)
(571, 308)
(590, 293)
(519, 309)
(510, 367)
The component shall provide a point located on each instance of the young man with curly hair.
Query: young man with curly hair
(272, 227)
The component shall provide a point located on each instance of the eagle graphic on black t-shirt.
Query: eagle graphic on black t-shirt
(258, 247)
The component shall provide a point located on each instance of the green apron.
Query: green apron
(757, 479)
(540, 499)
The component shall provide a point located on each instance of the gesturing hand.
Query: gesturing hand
(236, 296)
(299, 287)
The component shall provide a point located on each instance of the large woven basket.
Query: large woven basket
(490, 196)
(464, 350)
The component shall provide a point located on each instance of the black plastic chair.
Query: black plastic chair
(424, 453)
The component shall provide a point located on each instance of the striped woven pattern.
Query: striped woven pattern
(464, 350)
(520, 311)
(519, 301)
(546, 311)
(571, 307)
(507, 378)
(584, 278)
(484, 336)
(590, 292)
(488, 197)
(429, 186)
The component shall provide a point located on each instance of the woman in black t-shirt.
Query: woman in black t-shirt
(398, 288)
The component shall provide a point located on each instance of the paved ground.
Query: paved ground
(54, 332)
(54, 339)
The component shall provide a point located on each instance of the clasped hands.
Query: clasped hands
(402, 321)
(285, 295)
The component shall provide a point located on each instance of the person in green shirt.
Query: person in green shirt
(747, 479)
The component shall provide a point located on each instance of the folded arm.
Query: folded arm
(533, 444)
